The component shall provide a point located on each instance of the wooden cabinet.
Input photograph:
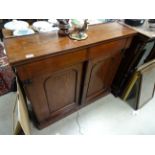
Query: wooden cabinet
(61, 84)
(64, 75)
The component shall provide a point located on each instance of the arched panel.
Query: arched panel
(60, 89)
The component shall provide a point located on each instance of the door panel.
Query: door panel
(115, 62)
(54, 93)
(97, 78)
(101, 75)
(60, 89)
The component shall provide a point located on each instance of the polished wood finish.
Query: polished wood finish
(50, 64)
(47, 44)
(107, 50)
(101, 69)
(53, 93)
(102, 74)
(64, 75)
(56, 82)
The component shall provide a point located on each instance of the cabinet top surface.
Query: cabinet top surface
(21, 49)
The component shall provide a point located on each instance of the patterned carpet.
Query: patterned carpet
(6, 73)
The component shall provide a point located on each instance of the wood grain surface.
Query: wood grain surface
(43, 44)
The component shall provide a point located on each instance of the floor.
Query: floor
(108, 115)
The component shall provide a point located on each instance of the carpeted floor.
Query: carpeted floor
(6, 73)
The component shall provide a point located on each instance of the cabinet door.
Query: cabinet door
(54, 93)
(102, 73)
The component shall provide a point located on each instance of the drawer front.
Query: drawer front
(107, 49)
(50, 64)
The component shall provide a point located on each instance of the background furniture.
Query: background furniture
(142, 50)
(141, 86)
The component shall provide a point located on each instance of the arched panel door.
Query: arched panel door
(54, 94)
(102, 73)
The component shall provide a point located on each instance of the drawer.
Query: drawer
(107, 49)
(50, 64)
